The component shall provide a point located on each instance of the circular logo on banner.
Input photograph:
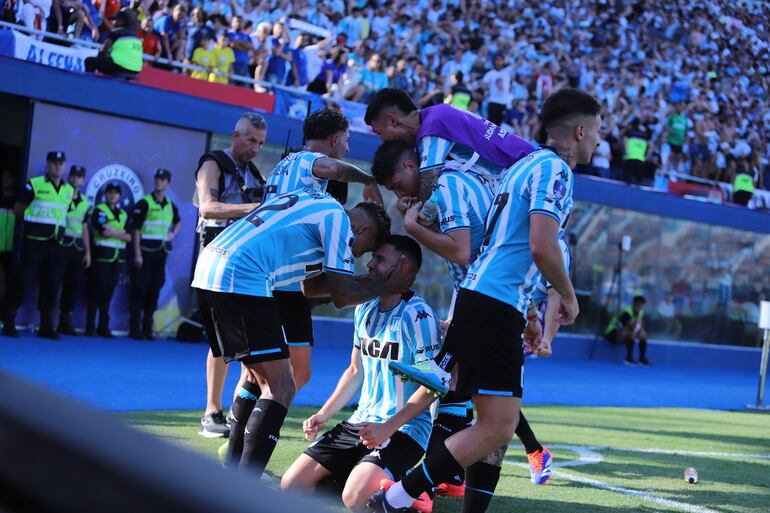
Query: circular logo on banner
(131, 189)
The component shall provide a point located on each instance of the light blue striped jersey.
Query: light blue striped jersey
(407, 333)
(540, 292)
(464, 199)
(290, 238)
(540, 183)
(292, 173)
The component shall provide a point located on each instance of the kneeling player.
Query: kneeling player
(392, 327)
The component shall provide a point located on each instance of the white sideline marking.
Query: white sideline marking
(689, 453)
(588, 456)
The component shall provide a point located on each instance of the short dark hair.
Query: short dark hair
(407, 246)
(380, 217)
(323, 123)
(388, 97)
(566, 103)
(387, 156)
(640, 299)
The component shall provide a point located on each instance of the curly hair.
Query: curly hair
(380, 218)
(323, 123)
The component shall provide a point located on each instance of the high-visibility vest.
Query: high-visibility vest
(615, 321)
(158, 221)
(7, 225)
(126, 52)
(46, 216)
(109, 249)
(73, 231)
(636, 149)
(743, 182)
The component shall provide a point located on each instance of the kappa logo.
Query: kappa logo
(422, 314)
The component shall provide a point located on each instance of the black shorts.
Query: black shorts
(676, 149)
(248, 328)
(612, 336)
(340, 450)
(485, 338)
(296, 318)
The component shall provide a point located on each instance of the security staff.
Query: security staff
(7, 229)
(109, 255)
(227, 186)
(154, 224)
(76, 250)
(43, 204)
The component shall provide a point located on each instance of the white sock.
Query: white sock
(397, 496)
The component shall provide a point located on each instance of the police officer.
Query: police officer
(76, 250)
(43, 204)
(228, 186)
(154, 224)
(109, 256)
(7, 228)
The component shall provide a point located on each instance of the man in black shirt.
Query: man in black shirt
(155, 222)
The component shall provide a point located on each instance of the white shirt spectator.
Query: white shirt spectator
(499, 85)
(602, 154)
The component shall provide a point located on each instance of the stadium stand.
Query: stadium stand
(685, 85)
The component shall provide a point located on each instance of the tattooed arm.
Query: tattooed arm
(207, 188)
(333, 169)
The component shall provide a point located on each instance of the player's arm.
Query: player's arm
(334, 169)
(348, 290)
(550, 319)
(347, 387)
(207, 189)
(546, 253)
(454, 246)
(373, 434)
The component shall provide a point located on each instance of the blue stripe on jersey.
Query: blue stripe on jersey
(540, 183)
(294, 172)
(463, 200)
(407, 333)
(289, 238)
(433, 151)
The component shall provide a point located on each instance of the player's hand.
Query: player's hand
(444, 327)
(533, 335)
(374, 434)
(403, 204)
(313, 424)
(411, 216)
(568, 310)
(372, 193)
(544, 349)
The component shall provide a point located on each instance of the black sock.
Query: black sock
(527, 436)
(437, 468)
(642, 349)
(262, 432)
(630, 349)
(240, 413)
(445, 360)
(480, 483)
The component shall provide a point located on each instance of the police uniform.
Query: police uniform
(44, 222)
(153, 219)
(7, 231)
(109, 257)
(73, 251)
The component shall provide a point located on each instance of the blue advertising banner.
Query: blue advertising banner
(126, 151)
(293, 103)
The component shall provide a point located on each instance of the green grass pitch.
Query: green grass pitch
(630, 459)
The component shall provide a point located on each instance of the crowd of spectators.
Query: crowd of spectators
(685, 84)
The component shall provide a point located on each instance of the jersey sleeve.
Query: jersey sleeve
(357, 318)
(433, 152)
(306, 169)
(337, 239)
(550, 186)
(420, 331)
(453, 205)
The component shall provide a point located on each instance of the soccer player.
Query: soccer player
(443, 132)
(392, 327)
(532, 202)
(288, 239)
(326, 135)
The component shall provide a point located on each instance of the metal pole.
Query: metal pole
(763, 369)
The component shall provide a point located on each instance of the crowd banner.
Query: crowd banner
(62, 57)
(304, 26)
(293, 102)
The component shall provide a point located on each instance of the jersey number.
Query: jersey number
(253, 217)
(501, 200)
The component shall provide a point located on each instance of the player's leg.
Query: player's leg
(247, 394)
(298, 328)
(642, 337)
(453, 416)
(627, 337)
(304, 473)
(300, 365)
(538, 457)
(213, 420)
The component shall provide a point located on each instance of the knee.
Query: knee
(288, 480)
(301, 377)
(283, 389)
(354, 499)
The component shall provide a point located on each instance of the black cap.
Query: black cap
(78, 171)
(55, 155)
(112, 186)
(163, 173)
